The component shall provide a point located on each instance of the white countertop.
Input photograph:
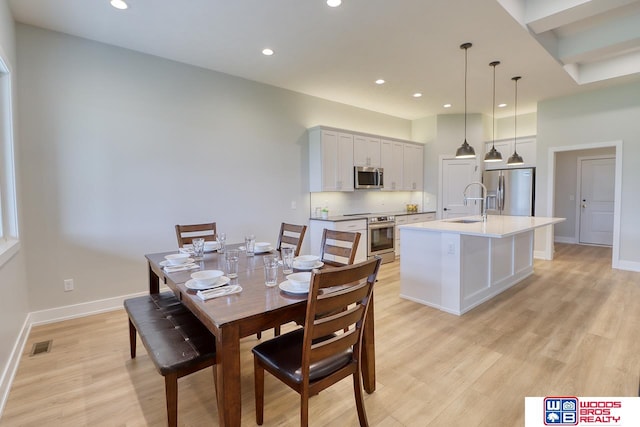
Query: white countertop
(496, 225)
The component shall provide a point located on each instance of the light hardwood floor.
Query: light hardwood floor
(570, 329)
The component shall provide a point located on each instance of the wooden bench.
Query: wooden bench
(176, 341)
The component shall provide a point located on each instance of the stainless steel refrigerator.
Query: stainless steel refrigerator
(510, 191)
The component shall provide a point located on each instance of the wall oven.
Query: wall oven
(381, 232)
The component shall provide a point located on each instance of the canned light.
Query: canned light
(119, 4)
(267, 51)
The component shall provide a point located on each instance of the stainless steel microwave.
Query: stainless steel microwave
(367, 177)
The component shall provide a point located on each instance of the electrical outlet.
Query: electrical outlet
(68, 285)
(294, 205)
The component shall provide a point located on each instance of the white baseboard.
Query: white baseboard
(50, 316)
(541, 255)
(562, 239)
(627, 265)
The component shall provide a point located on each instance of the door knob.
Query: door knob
(584, 205)
(446, 209)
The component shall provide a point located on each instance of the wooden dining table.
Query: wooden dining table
(232, 317)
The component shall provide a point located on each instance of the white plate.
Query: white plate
(192, 284)
(263, 251)
(297, 266)
(289, 288)
(165, 263)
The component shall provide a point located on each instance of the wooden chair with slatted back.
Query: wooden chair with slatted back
(321, 353)
(340, 244)
(291, 235)
(186, 233)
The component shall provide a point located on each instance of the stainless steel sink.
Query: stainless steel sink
(464, 221)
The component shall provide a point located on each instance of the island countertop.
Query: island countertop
(496, 226)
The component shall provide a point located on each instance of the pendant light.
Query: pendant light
(493, 155)
(515, 159)
(465, 151)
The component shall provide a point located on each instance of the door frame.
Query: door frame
(551, 183)
(579, 189)
(441, 159)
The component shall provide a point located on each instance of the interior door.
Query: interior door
(456, 175)
(597, 183)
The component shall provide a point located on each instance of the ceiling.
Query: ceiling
(559, 47)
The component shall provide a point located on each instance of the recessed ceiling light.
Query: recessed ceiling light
(417, 95)
(119, 4)
(447, 105)
(502, 105)
(334, 3)
(267, 51)
(380, 81)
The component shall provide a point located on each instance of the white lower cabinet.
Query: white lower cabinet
(316, 227)
(410, 219)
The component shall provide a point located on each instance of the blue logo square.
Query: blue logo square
(560, 411)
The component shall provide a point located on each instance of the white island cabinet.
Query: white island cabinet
(454, 266)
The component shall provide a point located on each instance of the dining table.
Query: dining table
(233, 317)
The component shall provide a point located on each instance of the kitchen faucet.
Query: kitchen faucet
(483, 199)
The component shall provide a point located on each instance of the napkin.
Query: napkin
(186, 250)
(219, 292)
(182, 267)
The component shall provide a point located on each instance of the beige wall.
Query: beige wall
(122, 146)
(13, 283)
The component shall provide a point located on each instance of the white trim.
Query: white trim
(562, 239)
(628, 265)
(50, 316)
(8, 248)
(551, 164)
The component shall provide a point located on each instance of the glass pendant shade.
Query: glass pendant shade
(493, 155)
(515, 159)
(465, 151)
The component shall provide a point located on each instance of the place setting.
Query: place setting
(210, 284)
(296, 283)
(307, 262)
(178, 262)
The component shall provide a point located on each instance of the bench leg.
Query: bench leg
(171, 392)
(132, 339)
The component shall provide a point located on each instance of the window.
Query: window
(8, 206)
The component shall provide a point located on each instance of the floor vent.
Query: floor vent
(41, 347)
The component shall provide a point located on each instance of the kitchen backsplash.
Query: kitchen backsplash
(340, 203)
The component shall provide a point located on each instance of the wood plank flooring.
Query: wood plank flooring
(570, 329)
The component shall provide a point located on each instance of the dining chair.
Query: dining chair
(321, 353)
(338, 248)
(291, 235)
(185, 233)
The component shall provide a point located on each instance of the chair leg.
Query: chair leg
(259, 334)
(357, 392)
(258, 374)
(276, 331)
(132, 339)
(215, 379)
(171, 392)
(304, 408)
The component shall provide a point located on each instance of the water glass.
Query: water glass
(249, 244)
(222, 241)
(287, 260)
(198, 248)
(270, 270)
(231, 258)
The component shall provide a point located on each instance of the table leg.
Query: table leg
(154, 281)
(228, 368)
(368, 362)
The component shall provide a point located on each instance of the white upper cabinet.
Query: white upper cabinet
(366, 151)
(526, 147)
(413, 169)
(330, 160)
(392, 161)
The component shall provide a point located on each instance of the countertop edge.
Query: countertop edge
(339, 218)
(476, 229)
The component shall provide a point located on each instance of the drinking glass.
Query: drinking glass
(222, 241)
(287, 260)
(270, 270)
(249, 244)
(231, 257)
(198, 248)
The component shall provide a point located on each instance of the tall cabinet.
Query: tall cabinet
(330, 160)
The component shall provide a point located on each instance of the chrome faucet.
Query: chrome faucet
(483, 199)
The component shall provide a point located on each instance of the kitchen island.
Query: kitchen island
(457, 264)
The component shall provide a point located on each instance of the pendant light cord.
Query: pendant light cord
(465, 93)
(515, 116)
(493, 117)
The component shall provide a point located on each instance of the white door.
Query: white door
(456, 175)
(596, 201)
